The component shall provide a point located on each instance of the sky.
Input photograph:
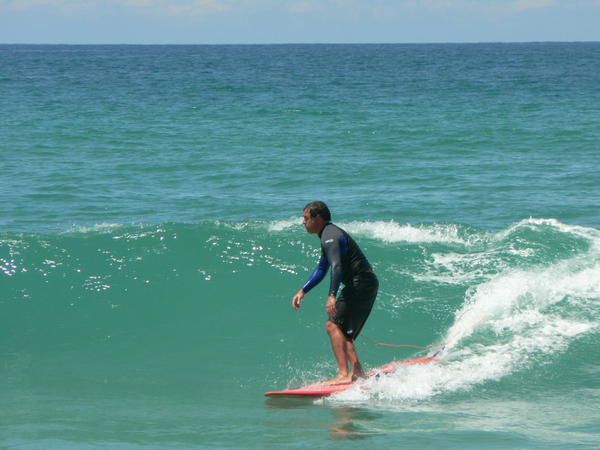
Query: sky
(296, 21)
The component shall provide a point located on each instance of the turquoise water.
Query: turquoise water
(151, 241)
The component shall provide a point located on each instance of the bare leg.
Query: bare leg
(340, 350)
(357, 370)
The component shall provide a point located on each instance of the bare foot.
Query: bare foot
(340, 379)
(357, 373)
(356, 376)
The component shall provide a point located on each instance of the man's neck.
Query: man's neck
(322, 228)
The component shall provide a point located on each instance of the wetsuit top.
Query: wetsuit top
(339, 251)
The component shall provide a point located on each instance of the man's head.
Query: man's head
(316, 216)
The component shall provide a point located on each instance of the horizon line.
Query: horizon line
(305, 43)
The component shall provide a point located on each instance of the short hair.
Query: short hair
(318, 208)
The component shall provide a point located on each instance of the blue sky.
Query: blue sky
(296, 21)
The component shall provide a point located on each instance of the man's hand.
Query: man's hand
(330, 305)
(297, 300)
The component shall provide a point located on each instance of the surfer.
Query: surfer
(349, 310)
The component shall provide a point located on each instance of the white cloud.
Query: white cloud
(62, 7)
(196, 7)
(524, 5)
(337, 11)
(302, 7)
(174, 7)
(179, 7)
(21, 5)
(457, 5)
(378, 7)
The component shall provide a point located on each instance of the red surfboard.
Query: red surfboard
(323, 389)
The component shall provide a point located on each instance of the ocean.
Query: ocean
(151, 241)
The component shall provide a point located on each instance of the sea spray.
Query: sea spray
(508, 323)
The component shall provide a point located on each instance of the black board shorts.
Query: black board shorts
(354, 304)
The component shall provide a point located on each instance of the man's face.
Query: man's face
(312, 224)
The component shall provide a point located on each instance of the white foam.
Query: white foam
(98, 228)
(387, 231)
(285, 224)
(460, 370)
(506, 322)
(533, 223)
(496, 253)
(421, 382)
(459, 268)
(391, 231)
(512, 294)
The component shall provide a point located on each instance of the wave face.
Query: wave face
(203, 310)
(515, 298)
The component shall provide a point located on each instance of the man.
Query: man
(349, 311)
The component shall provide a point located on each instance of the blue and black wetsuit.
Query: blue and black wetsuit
(349, 266)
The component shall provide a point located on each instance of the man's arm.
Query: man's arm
(318, 274)
(316, 277)
(333, 253)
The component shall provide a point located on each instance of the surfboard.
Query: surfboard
(323, 390)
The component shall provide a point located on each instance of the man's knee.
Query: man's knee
(331, 327)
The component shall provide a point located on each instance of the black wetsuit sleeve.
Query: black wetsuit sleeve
(317, 275)
(333, 251)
